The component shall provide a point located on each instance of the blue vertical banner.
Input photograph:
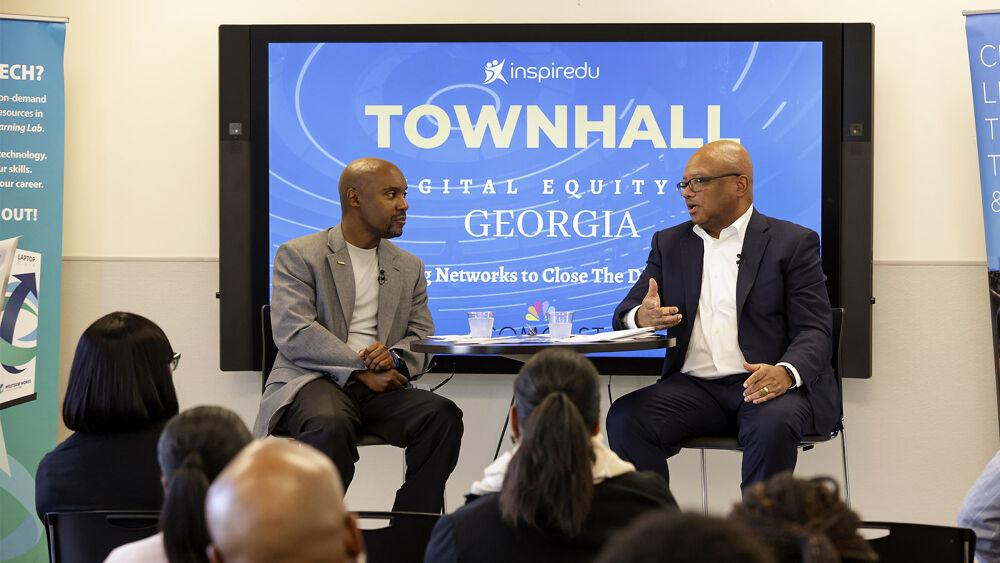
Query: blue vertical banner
(982, 29)
(32, 136)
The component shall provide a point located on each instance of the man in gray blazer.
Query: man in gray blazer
(345, 305)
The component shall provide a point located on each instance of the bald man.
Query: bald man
(280, 502)
(345, 305)
(745, 296)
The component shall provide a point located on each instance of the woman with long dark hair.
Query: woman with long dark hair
(120, 394)
(194, 448)
(561, 492)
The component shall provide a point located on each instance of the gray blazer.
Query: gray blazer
(312, 302)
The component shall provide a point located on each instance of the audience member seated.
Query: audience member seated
(120, 395)
(803, 520)
(981, 512)
(194, 448)
(672, 537)
(561, 492)
(280, 501)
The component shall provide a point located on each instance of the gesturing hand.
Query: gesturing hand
(766, 382)
(651, 314)
(381, 381)
(377, 357)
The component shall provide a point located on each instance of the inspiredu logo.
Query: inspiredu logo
(494, 72)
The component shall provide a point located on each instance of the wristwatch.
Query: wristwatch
(397, 360)
(791, 375)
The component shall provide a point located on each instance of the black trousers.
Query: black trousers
(429, 426)
(645, 426)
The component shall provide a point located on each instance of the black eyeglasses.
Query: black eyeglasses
(697, 184)
(174, 360)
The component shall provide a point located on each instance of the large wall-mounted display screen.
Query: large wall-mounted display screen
(540, 159)
(538, 171)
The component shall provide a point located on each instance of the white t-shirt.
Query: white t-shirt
(363, 328)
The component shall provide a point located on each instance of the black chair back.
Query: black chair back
(403, 541)
(921, 542)
(268, 346)
(88, 537)
(838, 337)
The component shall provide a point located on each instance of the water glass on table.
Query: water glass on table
(480, 324)
(560, 324)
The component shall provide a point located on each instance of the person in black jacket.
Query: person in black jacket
(120, 395)
(194, 448)
(561, 492)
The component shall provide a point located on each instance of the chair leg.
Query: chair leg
(704, 483)
(503, 431)
(847, 481)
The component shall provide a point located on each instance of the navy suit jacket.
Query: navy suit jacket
(782, 306)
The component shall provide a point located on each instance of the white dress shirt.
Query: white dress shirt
(714, 349)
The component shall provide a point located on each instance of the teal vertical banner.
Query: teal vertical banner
(983, 33)
(32, 138)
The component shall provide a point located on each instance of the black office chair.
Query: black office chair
(403, 541)
(808, 442)
(905, 543)
(270, 350)
(88, 537)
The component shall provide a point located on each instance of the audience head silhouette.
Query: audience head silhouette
(194, 448)
(549, 482)
(671, 537)
(280, 501)
(120, 380)
(803, 520)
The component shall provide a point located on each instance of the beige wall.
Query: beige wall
(141, 182)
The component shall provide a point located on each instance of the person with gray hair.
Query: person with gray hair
(277, 502)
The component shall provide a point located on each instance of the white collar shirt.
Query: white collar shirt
(714, 349)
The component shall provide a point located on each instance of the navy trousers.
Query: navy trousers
(646, 425)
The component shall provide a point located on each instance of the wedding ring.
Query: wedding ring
(766, 392)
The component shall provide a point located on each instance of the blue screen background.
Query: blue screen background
(769, 94)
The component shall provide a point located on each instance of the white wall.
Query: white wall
(141, 183)
(141, 159)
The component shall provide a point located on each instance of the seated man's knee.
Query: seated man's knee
(621, 419)
(332, 426)
(449, 413)
(771, 426)
(443, 416)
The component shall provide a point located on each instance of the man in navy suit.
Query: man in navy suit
(745, 296)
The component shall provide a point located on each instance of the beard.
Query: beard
(395, 227)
